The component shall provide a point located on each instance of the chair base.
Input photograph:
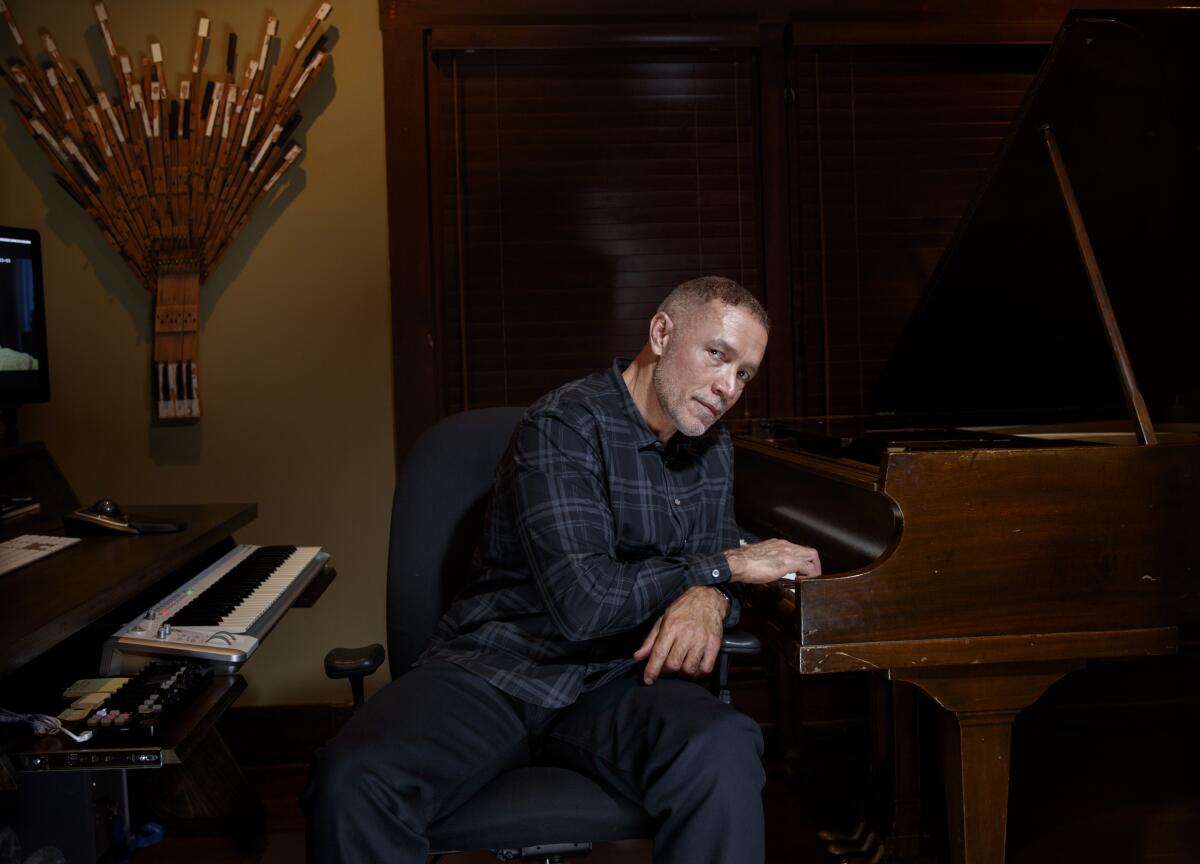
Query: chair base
(521, 809)
(545, 853)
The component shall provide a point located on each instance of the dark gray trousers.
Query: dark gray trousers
(432, 738)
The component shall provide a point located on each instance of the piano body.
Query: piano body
(1024, 497)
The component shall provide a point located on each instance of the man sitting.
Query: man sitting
(608, 545)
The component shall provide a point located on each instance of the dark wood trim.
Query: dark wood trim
(924, 30)
(414, 362)
(438, 174)
(690, 34)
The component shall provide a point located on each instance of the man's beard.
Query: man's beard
(683, 420)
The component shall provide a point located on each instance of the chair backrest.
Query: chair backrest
(437, 514)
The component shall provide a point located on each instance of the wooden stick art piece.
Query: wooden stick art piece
(170, 178)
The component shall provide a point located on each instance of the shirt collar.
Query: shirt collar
(639, 429)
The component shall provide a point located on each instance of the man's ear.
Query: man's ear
(661, 328)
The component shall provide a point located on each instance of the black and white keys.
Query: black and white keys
(222, 613)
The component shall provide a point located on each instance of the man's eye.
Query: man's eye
(713, 352)
(745, 376)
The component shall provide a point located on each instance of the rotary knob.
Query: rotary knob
(164, 630)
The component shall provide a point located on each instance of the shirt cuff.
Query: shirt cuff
(710, 570)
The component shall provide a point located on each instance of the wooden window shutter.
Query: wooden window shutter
(572, 190)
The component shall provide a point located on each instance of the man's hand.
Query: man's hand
(771, 560)
(686, 639)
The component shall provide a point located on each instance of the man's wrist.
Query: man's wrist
(722, 601)
(733, 560)
(733, 612)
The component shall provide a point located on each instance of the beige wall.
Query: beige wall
(294, 338)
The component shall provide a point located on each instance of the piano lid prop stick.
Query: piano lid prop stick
(1133, 395)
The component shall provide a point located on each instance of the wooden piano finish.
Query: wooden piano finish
(981, 575)
(1020, 497)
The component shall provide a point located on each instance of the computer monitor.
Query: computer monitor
(24, 366)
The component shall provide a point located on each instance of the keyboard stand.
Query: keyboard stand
(51, 612)
(75, 776)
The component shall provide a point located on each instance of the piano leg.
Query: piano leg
(904, 836)
(985, 701)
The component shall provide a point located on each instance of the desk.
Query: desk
(54, 615)
(54, 598)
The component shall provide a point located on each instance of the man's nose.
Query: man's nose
(725, 386)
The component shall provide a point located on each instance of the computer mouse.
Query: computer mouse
(107, 507)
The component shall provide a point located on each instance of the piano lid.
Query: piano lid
(1008, 330)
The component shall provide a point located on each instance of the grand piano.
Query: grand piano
(1022, 497)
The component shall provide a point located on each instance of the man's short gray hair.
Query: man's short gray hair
(695, 293)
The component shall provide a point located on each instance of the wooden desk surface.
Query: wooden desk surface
(43, 603)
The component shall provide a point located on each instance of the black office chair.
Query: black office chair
(534, 813)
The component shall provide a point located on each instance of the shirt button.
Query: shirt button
(716, 574)
(676, 502)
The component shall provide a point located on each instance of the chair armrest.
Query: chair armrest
(732, 642)
(739, 642)
(349, 662)
(355, 664)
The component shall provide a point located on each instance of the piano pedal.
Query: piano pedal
(865, 846)
(854, 836)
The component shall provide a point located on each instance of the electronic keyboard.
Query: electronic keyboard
(220, 615)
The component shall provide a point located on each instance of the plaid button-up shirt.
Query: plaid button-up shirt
(593, 529)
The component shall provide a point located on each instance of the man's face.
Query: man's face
(706, 361)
